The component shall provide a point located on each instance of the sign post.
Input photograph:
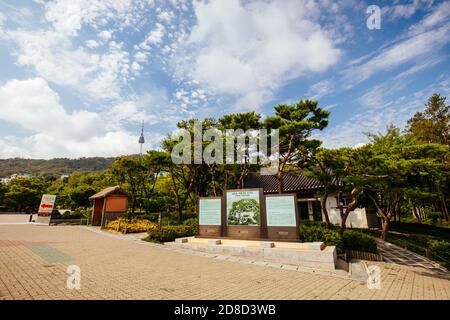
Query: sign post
(46, 208)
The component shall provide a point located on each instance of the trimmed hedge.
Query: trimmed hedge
(354, 240)
(170, 233)
(351, 240)
(315, 232)
(193, 223)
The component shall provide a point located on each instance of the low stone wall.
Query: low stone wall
(311, 255)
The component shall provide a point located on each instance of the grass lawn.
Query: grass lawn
(415, 236)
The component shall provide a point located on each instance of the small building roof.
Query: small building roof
(291, 183)
(110, 190)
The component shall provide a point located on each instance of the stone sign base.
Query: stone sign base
(307, 254)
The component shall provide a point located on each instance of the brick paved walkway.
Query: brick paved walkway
(395, 254)
(34, 260)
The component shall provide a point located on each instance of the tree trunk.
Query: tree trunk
(415, 213)
(177, 197)
(133, 203)
(323, 203)
(384, 227)
(385, 216)
(280, 182)
(351, 206)
(343, 220)
(444, 208)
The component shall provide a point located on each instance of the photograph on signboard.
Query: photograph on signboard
(243, 208)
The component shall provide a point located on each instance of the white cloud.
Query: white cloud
(140, 56)
(406, 51)
(405, 10)
(92, 44)
(241, 54)
(438, 15)
(33, 105)
(54, 58)
(165, 16)
(105, 35)
(320, 89)
(68, 17)
(382, 105)
(154, 37)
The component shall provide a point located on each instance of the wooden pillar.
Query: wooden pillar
(103, 212)
(93, 213)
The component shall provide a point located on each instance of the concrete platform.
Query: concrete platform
(309, 254)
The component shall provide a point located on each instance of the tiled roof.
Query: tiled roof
(291, 183)
(106, 191)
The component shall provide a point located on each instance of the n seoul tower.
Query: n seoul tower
(141, 138)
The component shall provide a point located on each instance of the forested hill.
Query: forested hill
(54, 167)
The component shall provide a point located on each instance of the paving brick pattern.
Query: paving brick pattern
(115, 267)
(395, 254)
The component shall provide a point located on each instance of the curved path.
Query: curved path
(34, 260)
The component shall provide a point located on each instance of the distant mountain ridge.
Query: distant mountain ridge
(54, 167)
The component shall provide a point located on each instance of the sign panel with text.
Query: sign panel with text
(210, 212)
(280, 211)
(46, 208)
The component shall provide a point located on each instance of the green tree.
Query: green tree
(393, 166)
(154, 163)
(127, 172)
(3, 191)
(188, 179)
(80, 195)
(432, 125)
(239, 121)
(296, 123)
(24, 194)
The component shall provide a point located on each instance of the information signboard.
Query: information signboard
(280, 211)
(46, 208)
(210, 211)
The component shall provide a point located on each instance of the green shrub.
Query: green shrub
(440, 250)
(169, 233)
(75, 214)
(351, 240)
(88, 214)
(316, 232)
(434, 218)
(354, 240)
(193, 223)
(56, 214)
(151, 216)
(125, 225)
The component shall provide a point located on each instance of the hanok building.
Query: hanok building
(109, 204)
(308, 191)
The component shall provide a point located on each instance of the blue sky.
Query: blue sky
(78, 77)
